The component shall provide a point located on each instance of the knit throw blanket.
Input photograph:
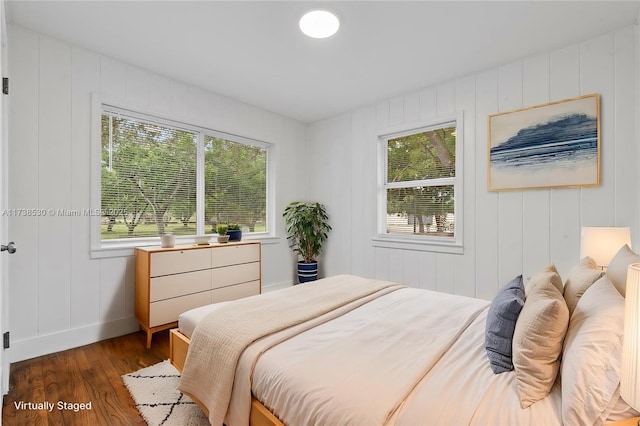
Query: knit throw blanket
(220, 338)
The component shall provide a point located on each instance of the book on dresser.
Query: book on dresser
(170, 281)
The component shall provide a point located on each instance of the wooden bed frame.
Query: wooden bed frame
(178, 347)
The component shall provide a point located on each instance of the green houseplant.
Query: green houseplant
(222, 233)
(307, 228)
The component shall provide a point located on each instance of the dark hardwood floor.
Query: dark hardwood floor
(89, 373)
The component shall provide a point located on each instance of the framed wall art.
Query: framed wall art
(553, 145)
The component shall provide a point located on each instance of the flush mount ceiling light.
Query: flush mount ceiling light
(319, 24)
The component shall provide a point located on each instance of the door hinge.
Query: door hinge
(5, 340)
(5, 85)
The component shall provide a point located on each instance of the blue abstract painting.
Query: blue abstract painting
(547, 146)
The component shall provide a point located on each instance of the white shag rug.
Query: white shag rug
(154, 390)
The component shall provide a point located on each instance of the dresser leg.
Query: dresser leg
(149, 335)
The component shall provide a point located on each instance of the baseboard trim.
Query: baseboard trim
(21, 350)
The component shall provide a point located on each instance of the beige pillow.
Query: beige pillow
(592, 355)
(580, 278)
(548, 273)
(617, 270)
(538, 337)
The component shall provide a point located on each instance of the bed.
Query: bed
(391, 354)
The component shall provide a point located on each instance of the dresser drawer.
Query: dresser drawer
(235, 292)
(223, 277)
(233, 255)
(174, 280)
(166, 311)
(176, 261)
(168, 286)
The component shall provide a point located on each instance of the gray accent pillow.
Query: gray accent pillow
(501, 323)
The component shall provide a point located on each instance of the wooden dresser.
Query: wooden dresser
(170, 281)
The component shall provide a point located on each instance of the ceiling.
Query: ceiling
(254, 51)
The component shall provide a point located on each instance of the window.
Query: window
(420, 184)
(148, 179)
(235, 183)
(159, 176)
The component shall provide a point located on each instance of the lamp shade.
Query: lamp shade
(602, 243)
(630, 372)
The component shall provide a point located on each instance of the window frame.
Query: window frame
(125, 246)
(382, 238)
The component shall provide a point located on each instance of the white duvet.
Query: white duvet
(411, 357)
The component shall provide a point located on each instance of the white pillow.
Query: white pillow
(592, 354)
(617, 270)
(580, 278)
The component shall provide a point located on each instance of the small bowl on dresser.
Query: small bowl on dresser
(202, 240)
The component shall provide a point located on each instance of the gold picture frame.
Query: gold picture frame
(554, 145)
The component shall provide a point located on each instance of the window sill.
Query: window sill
(127, 248)
(418, 244)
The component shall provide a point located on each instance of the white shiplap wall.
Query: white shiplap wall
(506, 233)
(59, 296)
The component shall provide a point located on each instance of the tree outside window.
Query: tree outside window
(149, 180)
(235, 184)
(420, 182)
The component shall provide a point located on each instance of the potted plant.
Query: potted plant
(222, 233)
(234, 232)
(307, 229)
